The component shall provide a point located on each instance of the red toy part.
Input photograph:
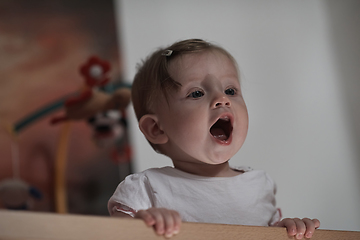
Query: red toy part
(95, 71)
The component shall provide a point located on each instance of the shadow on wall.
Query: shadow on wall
(346, 43)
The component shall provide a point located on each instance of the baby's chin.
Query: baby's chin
(204, 156)
(216, 161)
(223, 157)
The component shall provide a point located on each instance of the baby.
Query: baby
(189, 104)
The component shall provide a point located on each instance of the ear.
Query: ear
(149, 126)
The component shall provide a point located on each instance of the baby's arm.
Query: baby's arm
(299, 228)
(164, 221)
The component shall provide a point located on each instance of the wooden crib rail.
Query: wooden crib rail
(21, 225)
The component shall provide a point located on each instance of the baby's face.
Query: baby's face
(206, 120)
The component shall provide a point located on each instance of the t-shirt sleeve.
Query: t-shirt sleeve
(276, 218)
(131, 195)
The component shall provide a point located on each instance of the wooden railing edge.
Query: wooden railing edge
(20, 225)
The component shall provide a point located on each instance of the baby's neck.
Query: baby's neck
(207, 170)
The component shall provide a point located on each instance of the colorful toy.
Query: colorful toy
(94, 98)
(82, 104)
(108, 127)
(90, 100)
(16, 194)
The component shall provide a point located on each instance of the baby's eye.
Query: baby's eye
(230, 91)
(196, 94)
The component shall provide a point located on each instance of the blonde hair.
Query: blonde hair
(153, 79)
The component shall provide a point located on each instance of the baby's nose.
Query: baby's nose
(221, 101)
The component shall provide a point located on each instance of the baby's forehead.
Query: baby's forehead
(217, 53)
(197, 61)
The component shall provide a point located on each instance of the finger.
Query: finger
(316, 222)
(159, 226)
(290, 226)
(310, 227)
(168, 223)
(172, 223)
(177, 222)
(146, 217)
(300, 228)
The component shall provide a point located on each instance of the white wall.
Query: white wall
(293, 63)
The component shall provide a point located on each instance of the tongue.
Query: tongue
(218, 133)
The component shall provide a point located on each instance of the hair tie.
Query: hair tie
(167, 53)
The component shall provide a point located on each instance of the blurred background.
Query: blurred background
(43, 44)
(299, 63)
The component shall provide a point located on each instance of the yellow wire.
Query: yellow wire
(9, 128)
(60, 169)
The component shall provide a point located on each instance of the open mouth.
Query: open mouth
(222, 129)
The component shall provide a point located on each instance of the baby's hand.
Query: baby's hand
(299, 228)
(164, 221)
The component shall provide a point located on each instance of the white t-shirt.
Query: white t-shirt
(245, 199)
